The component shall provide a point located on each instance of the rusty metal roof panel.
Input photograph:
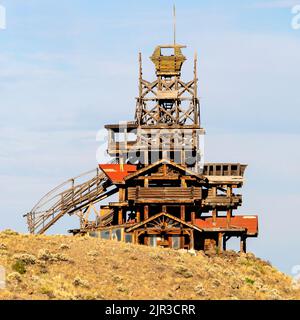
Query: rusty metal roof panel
(117, 172)
(247, 222)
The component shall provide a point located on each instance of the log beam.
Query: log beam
(214, 217)
(228, 217)
(146, 212)
(120, 216)
(182, 213)
(193, 216)
(243, 247)
(220, 242)
(138, 215)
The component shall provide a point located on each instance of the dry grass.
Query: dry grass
(66, 267)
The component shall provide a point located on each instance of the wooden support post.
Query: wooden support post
(134, 240)
(224, 242)
(182, 240)
(182, 212)
(228, 217)
(220, 245)
(169, 237)
(164, 169)
(138, 215)
(146, 240)
(146, 212)
(120, 216)
(121, 160)
(121, 194)
(146, 157)
(193, 216)
(183, 183)
(229, 191)
(214, 217)
(214, 191)
(164, 209)
(191, 239)
(243, 244)
(146, 182)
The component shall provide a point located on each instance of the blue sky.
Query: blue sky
(62, 62)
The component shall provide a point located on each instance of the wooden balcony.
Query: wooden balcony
(224, 169)
(223, 201)
(225, 173)
(164, 194)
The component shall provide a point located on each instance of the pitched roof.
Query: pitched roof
(117, 172)
(165, 161)
(248, 223)
(239, 223)
(159, 215)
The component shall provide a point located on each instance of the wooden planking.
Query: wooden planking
(224, 169)
(142, 194)
(222, 200)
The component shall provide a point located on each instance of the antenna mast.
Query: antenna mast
(174, 20)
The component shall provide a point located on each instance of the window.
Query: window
(153, 241)
(167, 51)
(176, 242)
(128, 237)
(95, 234)
(116, 234)
(105, 234)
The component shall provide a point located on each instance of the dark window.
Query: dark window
(153, 241)
(176, 242)
(95, 234)
(128, 237)
(116, 234)
(167, 51)
(105, 234)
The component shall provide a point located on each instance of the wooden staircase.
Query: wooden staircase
(72, 196)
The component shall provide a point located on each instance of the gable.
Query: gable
(157, 168)
(168, 218)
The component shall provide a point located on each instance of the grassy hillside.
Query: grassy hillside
(66, 267)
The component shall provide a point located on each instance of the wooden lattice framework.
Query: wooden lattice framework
(167, 196)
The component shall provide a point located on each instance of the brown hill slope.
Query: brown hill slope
(66, 267)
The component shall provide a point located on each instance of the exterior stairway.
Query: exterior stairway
(72, 196)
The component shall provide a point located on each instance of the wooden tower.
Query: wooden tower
(167, 195)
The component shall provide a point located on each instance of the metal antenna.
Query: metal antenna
(174, 17)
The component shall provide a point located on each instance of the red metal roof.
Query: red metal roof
(250, 223)
(117, 172)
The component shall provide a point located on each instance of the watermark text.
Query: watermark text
(295, 24)
(2, 17)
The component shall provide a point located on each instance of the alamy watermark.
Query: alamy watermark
(147, 146)
(2, 17)
(295, 23)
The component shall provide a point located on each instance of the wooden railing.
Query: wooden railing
(223, 200)
(224, 169)
(72, 196)
(164, 194)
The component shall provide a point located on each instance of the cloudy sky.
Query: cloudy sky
(68, 67)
